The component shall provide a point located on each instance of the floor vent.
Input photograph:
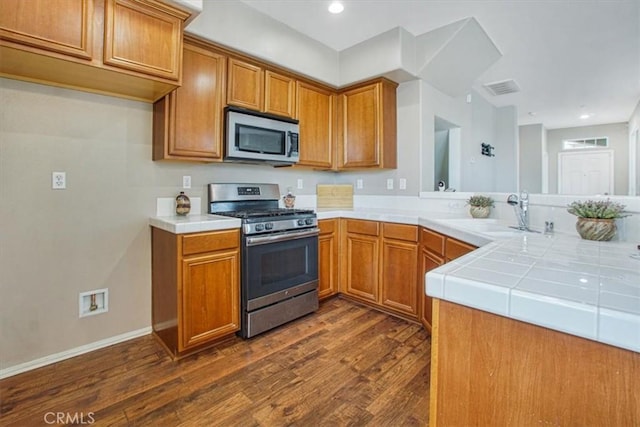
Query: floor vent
(502, 87)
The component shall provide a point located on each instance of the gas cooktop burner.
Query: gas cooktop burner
(244, 214)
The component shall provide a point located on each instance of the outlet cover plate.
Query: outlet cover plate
(58, 180)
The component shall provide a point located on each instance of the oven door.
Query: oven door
(278, 266)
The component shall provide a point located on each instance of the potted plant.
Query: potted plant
(596, 218)
(480, 206)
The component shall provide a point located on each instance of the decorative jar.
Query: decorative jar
(289, 200)
(183, 204)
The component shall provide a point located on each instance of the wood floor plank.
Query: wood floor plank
(345, 365)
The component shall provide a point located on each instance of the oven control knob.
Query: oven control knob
(301, 222)
(259, 227)
(308, 221)
(268, 226)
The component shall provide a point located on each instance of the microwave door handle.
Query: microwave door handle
(293, 143)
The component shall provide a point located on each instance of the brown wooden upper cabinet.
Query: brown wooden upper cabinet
(368, 126)
(128, 48)
(187, 123)
(251, 86)
(130, 26)
(316, 112)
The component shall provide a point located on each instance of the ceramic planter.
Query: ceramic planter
(596, 229)
(480, 211)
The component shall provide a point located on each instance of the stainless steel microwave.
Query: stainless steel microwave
(260, 138)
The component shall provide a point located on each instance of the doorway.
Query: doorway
(582, 172)
(446, 154)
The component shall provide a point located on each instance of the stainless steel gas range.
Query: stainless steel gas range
(279, 255)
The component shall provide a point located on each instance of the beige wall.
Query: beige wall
(55, 244)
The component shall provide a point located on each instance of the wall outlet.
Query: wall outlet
(359, 184)
(390, 184)
(93, 302)
(186, 181)
(58, 180)
(402, 183)
(300, 184)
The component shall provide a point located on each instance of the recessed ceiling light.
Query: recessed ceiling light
(585, 116)
(336, 7)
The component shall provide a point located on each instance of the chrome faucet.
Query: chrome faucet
(521, 209)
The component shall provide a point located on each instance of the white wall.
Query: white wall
(454, 110)
(634, 159)
(530, 158)
(263, 37)
(505, 178)
(479, 122)
(478, 171)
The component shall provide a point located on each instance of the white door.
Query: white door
(583, 172)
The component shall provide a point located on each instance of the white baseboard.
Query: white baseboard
(67, 354)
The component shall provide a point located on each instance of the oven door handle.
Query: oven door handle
(281, 237)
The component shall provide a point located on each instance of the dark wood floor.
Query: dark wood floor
(346, 365)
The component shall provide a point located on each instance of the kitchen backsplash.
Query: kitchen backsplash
(542, 208)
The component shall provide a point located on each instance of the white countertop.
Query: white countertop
(193, 223)
(583, 288)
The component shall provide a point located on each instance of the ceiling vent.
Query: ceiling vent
(502, 88)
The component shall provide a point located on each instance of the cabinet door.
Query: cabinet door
(429, 262)
(190, 118)
(328, 258)
(279, 94)
(455, 248)
(399, 271)
(210, 298)
(361, 134)
(245, 85)
(316, 110)
(368, 126)
(65, 28)
(145, 37)
(362, 266)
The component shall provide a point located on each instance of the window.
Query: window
(578, 144)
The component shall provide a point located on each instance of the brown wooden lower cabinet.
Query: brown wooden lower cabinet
(379, 265)
(195, 288)
(489, 370)
(436, 249)
(328, 258)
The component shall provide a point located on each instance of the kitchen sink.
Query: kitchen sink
(489, 227)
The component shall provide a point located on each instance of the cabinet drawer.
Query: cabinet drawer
(327, 226)
(371, 228)
(210, 242)
(456, 248)
(400, 231)
(432, 241)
